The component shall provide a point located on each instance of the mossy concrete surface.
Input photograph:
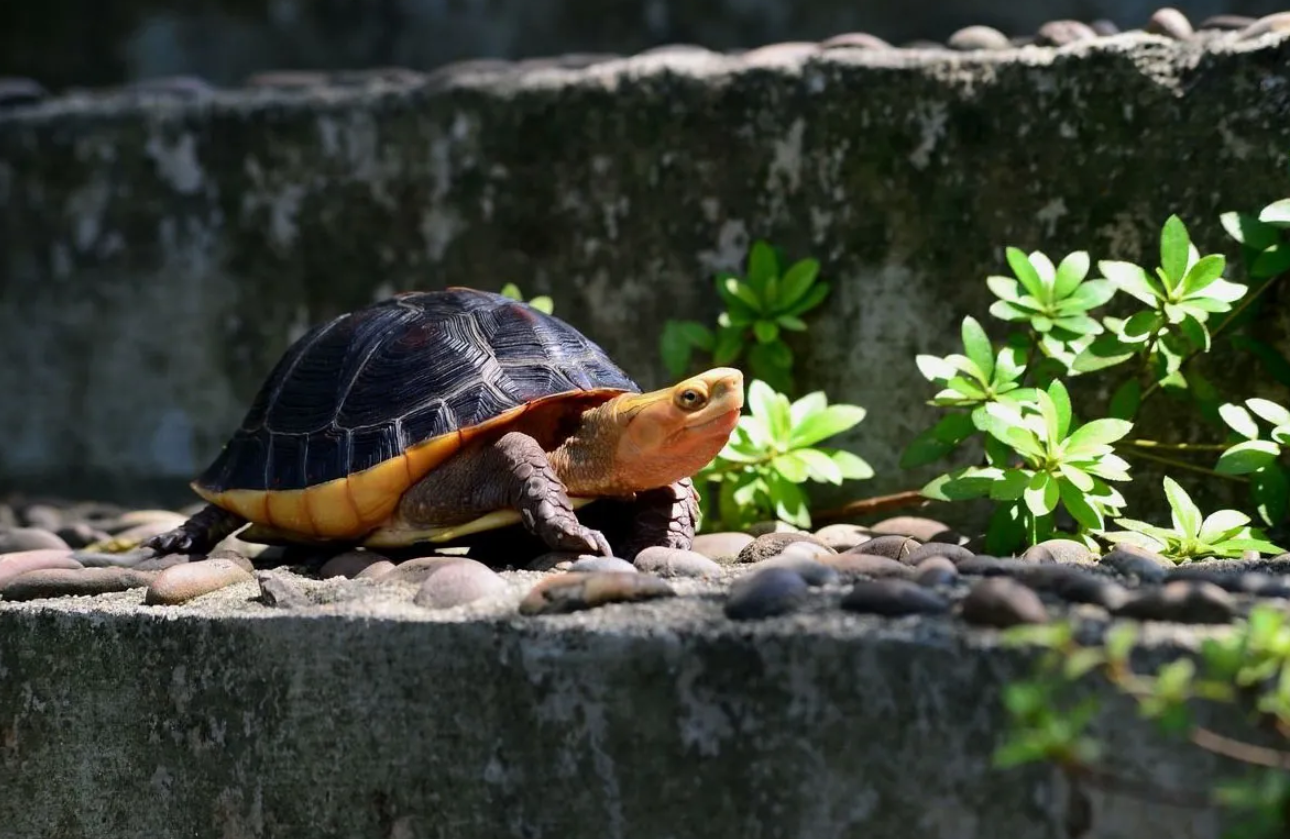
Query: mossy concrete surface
(226, 719)
(158, 254)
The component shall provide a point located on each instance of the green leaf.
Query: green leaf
(937, 441)
(1174, 243)
(1125, 400)
(1281, 435)
(744, 293)
(1088, 438)
(967, 387)
(1082, 480)
(675, 349)
(1270, 489)
(728, 346)
(765, 331)
(543, 303)
(824, 424)
(1195, 332)
(1010, 486)
(1206, 270)
(1186, 515)
(790, 466)
(1105, 351)
(1026, 273)
(1003, 310)
(814, 297)
(1227, 292)
(772, 362)
(1005, 288)
(789, 500)
(797, 280)
(1249, 231)
(1269, 411)
(851, 466)
(1089, 295)
(978, 348)
(1141, 326)
(1271, 262)
(1132, 280)
(696, 333)
(1246, 457)
(1078, 324)
(1274, 363)
(1277, 213)
(792, 322)
(933, 368)
(1239, 420)
(765, 404)
(762, 267)
(1222, 524)
(1062, 403)
(512, 291)
(1072, 270)
(820, 467)
(1042, 494)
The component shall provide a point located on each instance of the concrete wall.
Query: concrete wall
(156, 256)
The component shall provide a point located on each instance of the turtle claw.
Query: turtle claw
(177, 541)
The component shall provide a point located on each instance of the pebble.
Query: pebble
(858, 564)
(376, 570)
(954, 553)
(917, 527)
(29, 539)
(1104, 27)
(281, 592)
(1278, 22)
(14, 564)
(893, 598)
(556, 561)
(892, 547)
(1227, 23)
(127, 559)
(131, 537)
(783, 51)
(1234, 579)
(135, 518)
(461, 582)
(173, 85)
(1059, 33)
(721, 546)
(1002, 602)
(843, 537)
(671, 562)
(16, 90)
(417, 570)
(570, 592)
(1171, 23)
(769, 592)
(773, 544)
(79, 534)
(979, 38)
(350, 564)
(1073, 584)
(983, 565)
(935, 571)
(42, 516)
(65, 582)
(181, 583)
(1066, 551)
(8, 518)
(813, 572)
(609, 563)
(286, 79)
(1131, 560)
(1182, 601)
(855, 40)
(161, 563)
(761, 528)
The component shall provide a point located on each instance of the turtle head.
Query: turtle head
(640, 441)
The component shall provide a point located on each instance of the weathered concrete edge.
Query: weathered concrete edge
(204, 722)
(516, 79)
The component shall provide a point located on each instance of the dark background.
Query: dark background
(95, 43)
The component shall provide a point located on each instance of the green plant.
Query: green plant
(773, 451)
(1051, 711)
(1224, 533)
(1259, 454)
(542, 302)
(759, 307)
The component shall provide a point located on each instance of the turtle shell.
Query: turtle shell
(365, 405)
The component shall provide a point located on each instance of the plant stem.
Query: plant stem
(876, 504)
(1182, 464)
(1227, 321)
(1178, 447)
(1238, 750)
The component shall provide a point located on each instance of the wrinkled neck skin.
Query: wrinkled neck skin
(587, 461)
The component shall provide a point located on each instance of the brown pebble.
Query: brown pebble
(349, 564)
(935, 571)
(1066, 551)
(458, 583)
(954, 553)
(161, 563)
(1171, 23)
(14, 564)
(764, 594)
(773, 544)
(761, 528)
(670, 562)
(181, 583)
(843, 537)
(79, 534)
(916, 527)
(1059, 33)
(1278, 22)
(892, 547)
(1183, 601)
(376, 570)
(1002, 602)
(134, 518)
(19, 539)
(63, 582)
(417, 570)
(606, 563)
(1104, 27)
(1133, 561)
(573, 592)
(893, 598)
(784, 51)
(720, 546)
(280, 591)
(814, 572)
(855, 40)
(858, 564)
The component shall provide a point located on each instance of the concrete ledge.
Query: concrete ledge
(225, 718)
(157, 254)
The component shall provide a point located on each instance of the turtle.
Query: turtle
(432, 415)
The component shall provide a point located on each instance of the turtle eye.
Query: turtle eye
(690, 399)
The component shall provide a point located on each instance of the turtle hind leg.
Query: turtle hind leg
(206, 529)
(513, 473)
(663, 517)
